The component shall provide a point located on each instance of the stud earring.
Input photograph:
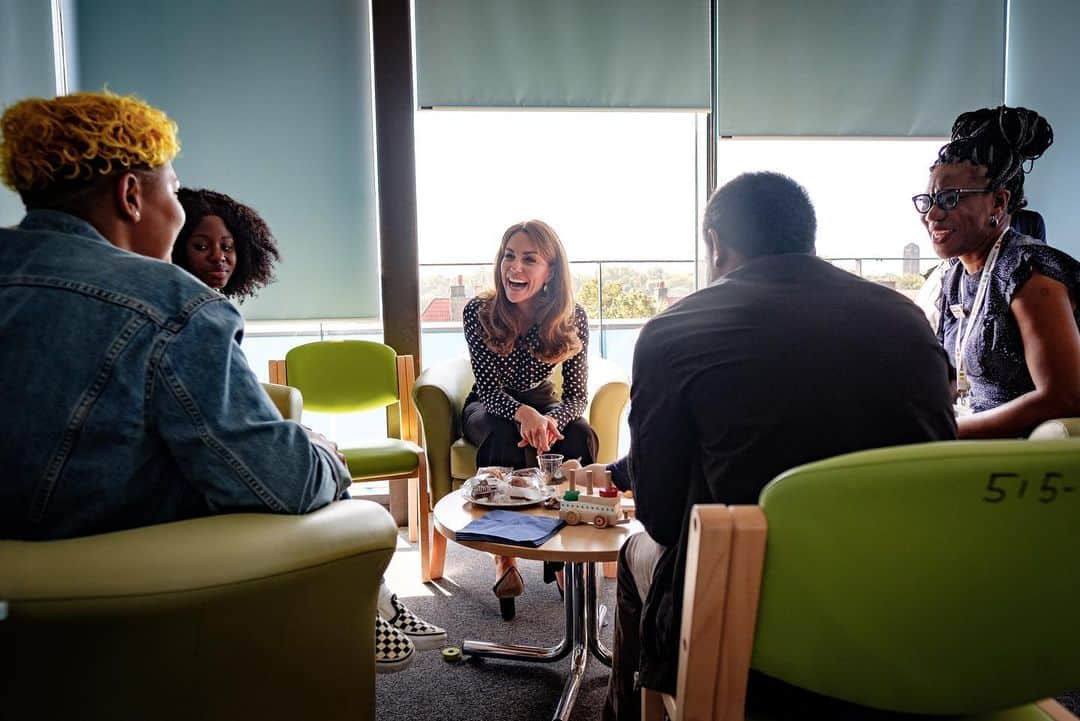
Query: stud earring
(544, 289)
(993, 221)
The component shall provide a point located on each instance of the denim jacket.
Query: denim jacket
(126, 399)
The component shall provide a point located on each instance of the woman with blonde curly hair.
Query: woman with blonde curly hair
(517, 334)
(133, 404)
(100, 157)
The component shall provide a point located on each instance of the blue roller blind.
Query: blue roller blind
(856, 67)
(1042, 61)
(273, 102)
(563, 53)
(26, 70)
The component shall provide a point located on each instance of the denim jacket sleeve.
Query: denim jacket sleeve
(228, 439)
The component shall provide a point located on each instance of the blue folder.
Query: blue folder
(511, 527)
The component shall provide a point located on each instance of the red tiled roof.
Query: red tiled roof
(437, 311)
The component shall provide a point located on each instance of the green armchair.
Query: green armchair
(440, 395)
(228, 617)
(933, 578)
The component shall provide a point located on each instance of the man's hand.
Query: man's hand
(537, 430)
(320, 440)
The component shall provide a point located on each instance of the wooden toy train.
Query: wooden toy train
(602, 509)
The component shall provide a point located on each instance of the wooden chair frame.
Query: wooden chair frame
(724, 568)
(403, 423)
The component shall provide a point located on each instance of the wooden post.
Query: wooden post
(395, 144)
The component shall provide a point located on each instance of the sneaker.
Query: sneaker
(393, 649)
(423, 635)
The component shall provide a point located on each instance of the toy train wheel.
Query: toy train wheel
(600, 522)
(572, 518)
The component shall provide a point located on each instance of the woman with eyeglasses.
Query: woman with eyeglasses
(1008, 308)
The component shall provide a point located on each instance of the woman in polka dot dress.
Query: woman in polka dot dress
(517, 335)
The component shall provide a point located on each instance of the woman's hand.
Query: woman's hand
(537, 430)
(1044, 311)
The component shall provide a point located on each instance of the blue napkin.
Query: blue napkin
(512, 527)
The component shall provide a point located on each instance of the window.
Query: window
(861, 190)
(624, 190)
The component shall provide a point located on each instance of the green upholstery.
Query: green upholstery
(384, 457)
(1057, 428)
(343, 376)
(347, 376)
(440, 396)
(288, 400)
(932, 578)
(231, 617)
(1028, 712)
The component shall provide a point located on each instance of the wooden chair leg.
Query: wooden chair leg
(438, 554)
(423, 518)
(611, 569)
(652, 705)
(414, 508)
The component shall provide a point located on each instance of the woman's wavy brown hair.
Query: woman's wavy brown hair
(499, 319)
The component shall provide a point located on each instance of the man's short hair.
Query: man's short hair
(761, 214)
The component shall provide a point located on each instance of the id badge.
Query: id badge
(962, 406)
(963, 385)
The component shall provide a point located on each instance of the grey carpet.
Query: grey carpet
(490, 689)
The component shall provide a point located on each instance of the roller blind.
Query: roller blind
(26, 70)
(856, 67)
(563, 53)
(273, 101)
(1042, 59)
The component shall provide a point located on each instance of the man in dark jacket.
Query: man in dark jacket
(783, 359)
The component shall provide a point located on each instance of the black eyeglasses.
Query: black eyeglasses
(945, 199)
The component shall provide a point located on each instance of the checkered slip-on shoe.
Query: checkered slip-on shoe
(424, 635)
(393, 649)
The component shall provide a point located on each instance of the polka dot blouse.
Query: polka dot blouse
(521, 370)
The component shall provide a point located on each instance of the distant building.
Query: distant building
(437, 311)
(663, 299)
(457, 299)
(911, 259)
(444, 310)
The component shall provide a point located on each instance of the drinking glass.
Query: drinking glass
(551, 467)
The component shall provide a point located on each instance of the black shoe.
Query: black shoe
(507, 608)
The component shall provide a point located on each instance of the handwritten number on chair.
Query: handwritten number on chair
(991, 488)
(1048, 487)
(999, 485)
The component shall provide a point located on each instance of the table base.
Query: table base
(584, 617)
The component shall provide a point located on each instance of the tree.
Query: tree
(618, 301)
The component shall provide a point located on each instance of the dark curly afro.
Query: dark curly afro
(256, 249)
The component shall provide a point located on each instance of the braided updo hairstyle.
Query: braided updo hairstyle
(1002, 139)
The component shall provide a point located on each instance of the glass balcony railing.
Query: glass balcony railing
(619, 296)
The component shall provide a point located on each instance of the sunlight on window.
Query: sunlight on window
(861, 190)
(614, 185)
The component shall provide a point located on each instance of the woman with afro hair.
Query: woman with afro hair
(225, 244)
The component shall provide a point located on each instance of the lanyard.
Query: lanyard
(963, 334)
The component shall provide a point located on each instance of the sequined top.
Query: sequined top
(994, 358)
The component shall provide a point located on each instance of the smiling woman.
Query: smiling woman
(517, 334)
(1009, 314)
